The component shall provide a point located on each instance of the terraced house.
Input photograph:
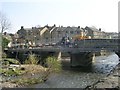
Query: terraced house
(53, 34)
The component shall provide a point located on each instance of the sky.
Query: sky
(29, 13)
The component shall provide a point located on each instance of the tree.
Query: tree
(5, 42)
(4, 22)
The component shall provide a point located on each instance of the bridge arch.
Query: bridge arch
(118, 53)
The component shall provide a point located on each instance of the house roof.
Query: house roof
(48, 28)
(60, 28)
(93, 28)
(44, 30)
(74, 28)
(33, 28)
(63, 28)
(53, 29)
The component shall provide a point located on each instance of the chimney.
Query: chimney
(100, 29)
(78, 26)
(22, 27)
(5, 33)
(54, 25)
(33, 27)
(46, 26)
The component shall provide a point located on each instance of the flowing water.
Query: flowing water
(80, 77)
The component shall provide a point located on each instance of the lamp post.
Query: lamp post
(34, 40)
(16, 43)
(51, 38)
(27, 40)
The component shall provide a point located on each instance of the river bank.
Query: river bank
(31, 75)
(110, 81)
(79, 77)
(103, 72)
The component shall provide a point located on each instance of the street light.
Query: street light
(34, 40)
(16, 43)
(27, 40)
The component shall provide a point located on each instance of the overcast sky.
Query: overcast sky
(99, 13)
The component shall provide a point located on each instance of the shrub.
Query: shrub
(53, 64)
(11, 71)
(12, 61)
(32, 59)
(5, 42)
(4, 55)
(27, 81)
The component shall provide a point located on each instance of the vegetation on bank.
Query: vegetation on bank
(53, 64)
(8, 61)
(5, 42)
(30, 68)
(11, 72)
(4, 55)
(32, 59)
(27, 81)
(10, 67)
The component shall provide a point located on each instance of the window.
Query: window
(78, 32)
(71, 32)
(46, 38)
(58, 32)
(37, 39)
(37, 33)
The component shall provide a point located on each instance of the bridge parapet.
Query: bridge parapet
(97, 44)
(86, 45)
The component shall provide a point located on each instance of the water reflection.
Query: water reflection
(66, 67)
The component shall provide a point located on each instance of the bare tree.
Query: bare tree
(4, 22)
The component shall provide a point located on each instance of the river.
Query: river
(80, 77)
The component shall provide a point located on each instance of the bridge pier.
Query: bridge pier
(81, 59)
(58, 55)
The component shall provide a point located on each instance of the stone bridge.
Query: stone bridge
(81, 52)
